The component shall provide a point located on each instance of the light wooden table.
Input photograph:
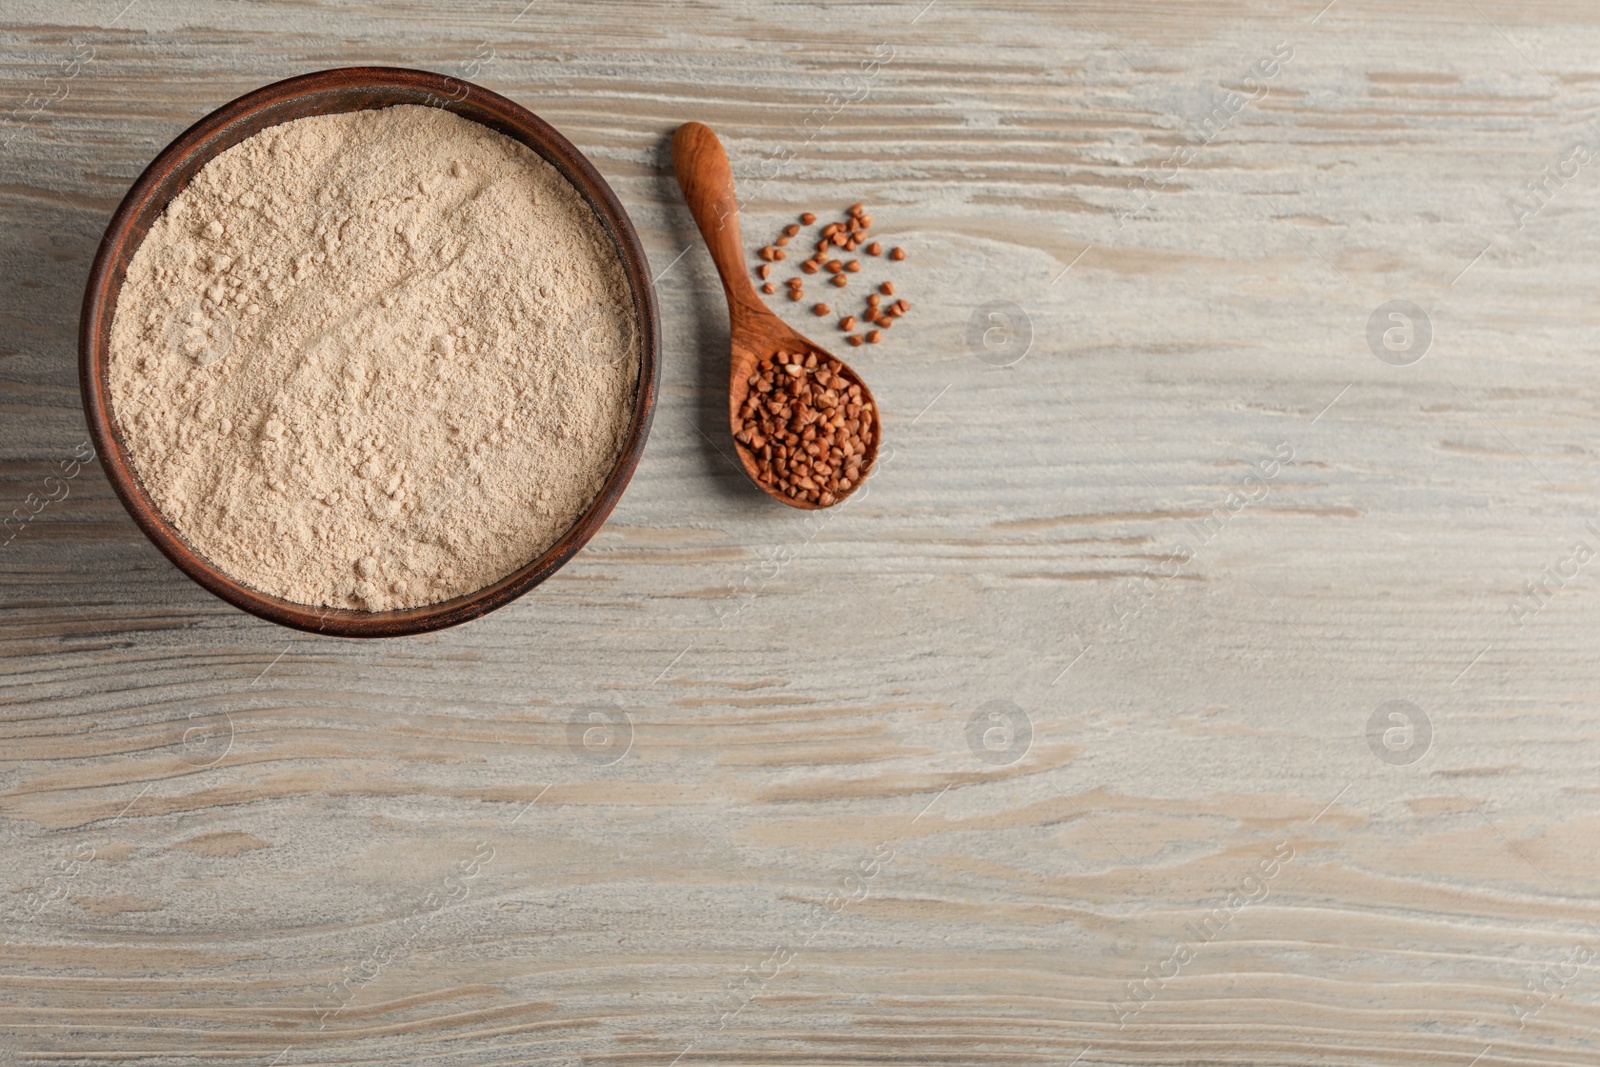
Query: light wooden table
(1072, 741)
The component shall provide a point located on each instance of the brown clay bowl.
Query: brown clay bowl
(322, 93)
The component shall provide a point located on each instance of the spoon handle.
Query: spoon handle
(703, 173)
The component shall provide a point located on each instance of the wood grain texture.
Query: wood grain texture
(227, 843)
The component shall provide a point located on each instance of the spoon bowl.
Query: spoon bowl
(757, 333)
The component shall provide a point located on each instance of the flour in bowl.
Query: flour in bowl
(375, 360)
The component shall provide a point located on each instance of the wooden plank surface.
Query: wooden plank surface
(1072, 741)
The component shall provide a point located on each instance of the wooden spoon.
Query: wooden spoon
(707, 181)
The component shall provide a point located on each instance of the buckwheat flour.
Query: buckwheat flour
(374, 360)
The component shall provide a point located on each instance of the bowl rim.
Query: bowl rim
(365, 88)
